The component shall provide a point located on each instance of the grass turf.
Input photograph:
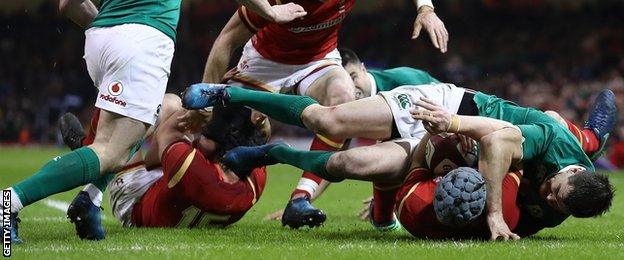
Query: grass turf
(47, 234)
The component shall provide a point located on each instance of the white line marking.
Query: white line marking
(60, 205)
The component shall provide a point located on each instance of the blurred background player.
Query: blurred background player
(129, 47)
(299, 58)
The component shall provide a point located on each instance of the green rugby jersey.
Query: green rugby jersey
(548, 146)
(389, 79)
(163, 15)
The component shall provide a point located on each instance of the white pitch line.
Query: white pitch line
(60, 205)
(56, 204)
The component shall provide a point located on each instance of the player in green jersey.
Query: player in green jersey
(508, 134)
(368, 81)
(129, 46)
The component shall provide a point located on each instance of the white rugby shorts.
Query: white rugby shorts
(253, 70)
(127, 188)
(130, 66)
(403, 98)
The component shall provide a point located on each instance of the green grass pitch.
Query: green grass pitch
(48, 234)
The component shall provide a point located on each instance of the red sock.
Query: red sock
(586, 137)
(384, 195)
(92, 128)
(309, 182)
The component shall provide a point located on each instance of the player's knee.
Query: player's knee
(325, 121)
(339, 91)
(110, 160)
(348, 165)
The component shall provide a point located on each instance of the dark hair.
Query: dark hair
(591, 194)
(230, 127)
(348, 57)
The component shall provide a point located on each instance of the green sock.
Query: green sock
(103, 181)
(310, 161)
(63, 173)
(284, 108)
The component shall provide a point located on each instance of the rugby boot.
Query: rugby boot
(601, 119)
(71, 130)
(243, 159)
(383, 227)
(86, 217)
(14, 229)
(299, 212)
(202, 95)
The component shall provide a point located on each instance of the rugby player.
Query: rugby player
(129, 46)
(507, 134)
(299, 58)
(181, 182)
(367, 83)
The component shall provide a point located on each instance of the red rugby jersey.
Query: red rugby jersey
(414, 208)
(192, 193)
(302, 40)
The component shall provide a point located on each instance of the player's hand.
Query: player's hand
(194, 120)
(277, 215)
(435, 118)
(467, 144)
(428, 20)
(287, 12)
(499, 229)
(364, 213)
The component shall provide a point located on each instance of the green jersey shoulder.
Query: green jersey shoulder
(391, 78)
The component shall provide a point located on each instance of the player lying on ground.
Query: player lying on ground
(188, 187)
(367, 83)
(299, 57)
(131, 79)
(506, 132)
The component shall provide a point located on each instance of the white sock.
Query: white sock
(94, 194)
(16, 203)
(307, 185)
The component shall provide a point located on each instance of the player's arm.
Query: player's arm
(276, 13)
(500, 145)
(234, 35)
(428, 20)
(81, 12)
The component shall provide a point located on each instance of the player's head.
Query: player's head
(578, 192)
(234, 126)
(357, 72)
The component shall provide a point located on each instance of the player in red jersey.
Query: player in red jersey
(181, 183)
(300, 57)
(414, 208)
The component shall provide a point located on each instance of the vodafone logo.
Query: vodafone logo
(117, 101)
(115, 88)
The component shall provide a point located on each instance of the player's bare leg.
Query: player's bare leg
(85, 209)
(333, 87)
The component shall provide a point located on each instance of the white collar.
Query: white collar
(373, 84)
(571, 167)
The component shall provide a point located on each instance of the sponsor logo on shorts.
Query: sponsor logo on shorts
(117, 101)
(115, 88)
(404, 101)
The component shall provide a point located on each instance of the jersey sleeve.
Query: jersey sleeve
(537, 138)
(178, 159)
(511, 212)
(252, 20)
